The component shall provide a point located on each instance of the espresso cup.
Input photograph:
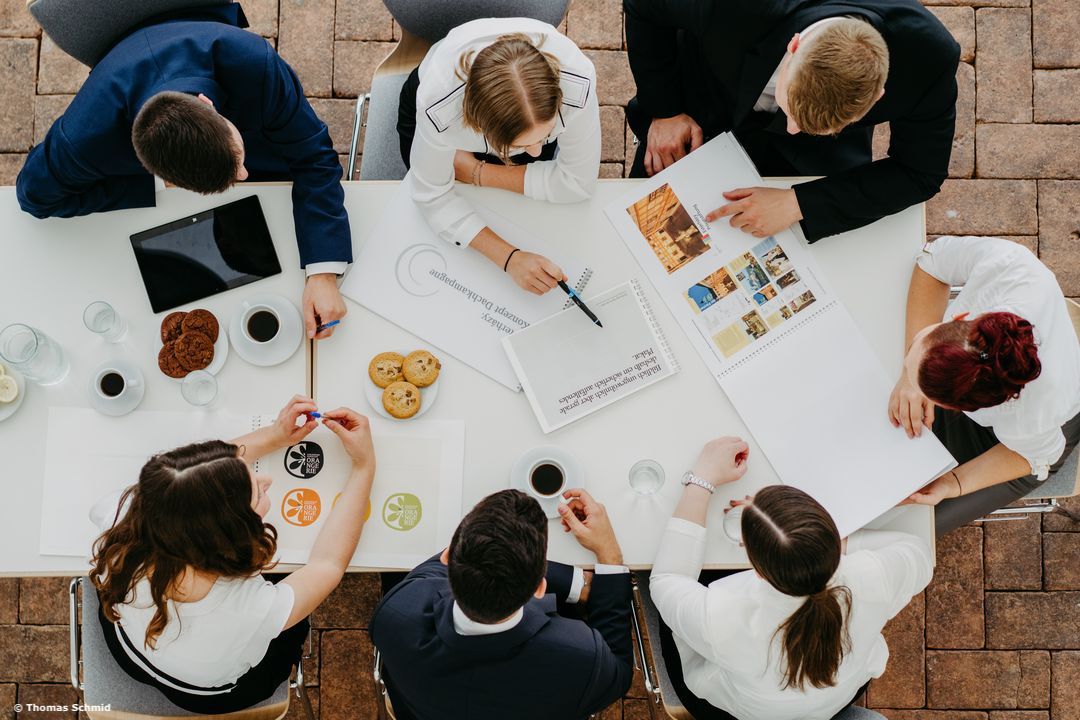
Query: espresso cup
(116, 388)
(547, 478)
(261, 324)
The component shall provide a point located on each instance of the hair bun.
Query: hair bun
(1008, 341)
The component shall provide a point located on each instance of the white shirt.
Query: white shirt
(767, 101)
(999, 275)
(726, 633)
(440, 131)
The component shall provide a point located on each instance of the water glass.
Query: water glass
(199, 388)
(646, 477)
(733, 524)
(100, 317)
(34, 354)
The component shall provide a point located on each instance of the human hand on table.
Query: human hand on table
(322, 304)
(533, 272)
(760, 211)
(909, 408)
(723, 460)
(588, 521)
(354, 431)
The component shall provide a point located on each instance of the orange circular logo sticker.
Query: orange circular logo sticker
(301, 507)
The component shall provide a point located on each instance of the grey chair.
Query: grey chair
(423, 23)
(87, 30)
(658, 681)
(105, 684)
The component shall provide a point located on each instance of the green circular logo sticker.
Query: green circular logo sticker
(402, 511)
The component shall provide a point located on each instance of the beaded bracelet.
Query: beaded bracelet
(476, 173)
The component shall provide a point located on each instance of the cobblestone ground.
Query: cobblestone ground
(997, 634)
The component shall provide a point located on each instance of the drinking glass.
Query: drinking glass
(100, 318)
(733, 524)
(34, 354)
(199, 388)
(646, 477)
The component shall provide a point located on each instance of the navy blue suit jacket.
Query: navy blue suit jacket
(87, 164)
(547, 667)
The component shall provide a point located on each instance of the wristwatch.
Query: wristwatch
(690, 478)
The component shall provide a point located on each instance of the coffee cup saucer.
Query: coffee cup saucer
(519, 475)
(282, 346)
(221, 352)
(135, 388)
(9, 409)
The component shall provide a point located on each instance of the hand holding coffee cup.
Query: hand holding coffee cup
(588, 521)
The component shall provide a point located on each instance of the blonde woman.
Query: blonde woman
(508, 103)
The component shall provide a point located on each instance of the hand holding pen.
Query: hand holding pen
(577, 301)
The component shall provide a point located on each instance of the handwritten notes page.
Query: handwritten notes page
(569, 367)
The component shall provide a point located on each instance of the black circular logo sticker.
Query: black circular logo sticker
(304, 460)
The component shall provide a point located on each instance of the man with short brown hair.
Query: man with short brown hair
(801, 83)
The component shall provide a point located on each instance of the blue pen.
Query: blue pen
(316, 415)
(577, 301)
(330, 324)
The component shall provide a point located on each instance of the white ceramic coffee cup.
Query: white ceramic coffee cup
(129, 396)
(252, 310)
(546, 461)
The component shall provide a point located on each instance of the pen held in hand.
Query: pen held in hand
(577, 301)
(327, 326)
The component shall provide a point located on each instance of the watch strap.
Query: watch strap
(690, 478)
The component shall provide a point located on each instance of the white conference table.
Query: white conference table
(49, 271)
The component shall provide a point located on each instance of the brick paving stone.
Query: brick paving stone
(596, 23)
(9, 587)
(614, 711)
(1034, 690)
(18, 72)
(34, 653)
(1057, 96)
(1054, 23)
(932, 714)
(363, 20)
(1027, 151)
(954, 599)
(1012, 555)
(355, 63)
(16, 20)
(880, 147)
(338, 116)
(1019, 715)
(51, 697)
(904, 683)
(1061, 557)
(980, 3)
(46, 109)
(44, 600)
(262, 17)
(1033, 620)
(1003, 65)
(58, 72)
(1059, 245)
(960, 22)
(958, 679)
(635, 710)
(962, 160)
(7, 700)
(983, 207)
(611, 170)
(1060, 522)
(613, 137)
(10, 165)
(1065, 693)
(306, 41)
(311, 664)
(296, 706)
(615, 83)
(351, 604)
(347, 689)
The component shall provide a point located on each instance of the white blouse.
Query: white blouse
(440, 131)
(1000, 275)
(726, 632)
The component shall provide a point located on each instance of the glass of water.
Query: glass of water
(646, 477)
(733, 524)
(34, 354)
(199, 388)
(100, 317)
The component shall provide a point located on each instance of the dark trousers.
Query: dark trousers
(254, 686)
(406, 126)
(966, 440)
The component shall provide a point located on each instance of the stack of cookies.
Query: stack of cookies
(187, 342)
(401, 378)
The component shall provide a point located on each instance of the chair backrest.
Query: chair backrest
(433, 19)
(87, 30)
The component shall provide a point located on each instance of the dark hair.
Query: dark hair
(190, 508)
(186, 142)
(980, 363)
(793, 543)
(498, 556)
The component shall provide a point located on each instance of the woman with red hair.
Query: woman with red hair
(998, 381)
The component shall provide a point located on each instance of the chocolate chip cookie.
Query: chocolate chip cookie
(202, 321)
(194, 350)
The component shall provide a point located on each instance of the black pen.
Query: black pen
(577, 301)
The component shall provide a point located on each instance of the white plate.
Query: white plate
(519, 475)
(221, 351)
(282, 347)
(374, 394)
(8, 409)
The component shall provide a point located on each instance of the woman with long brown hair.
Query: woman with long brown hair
(508, 103)
(798, 637)
(184, 605)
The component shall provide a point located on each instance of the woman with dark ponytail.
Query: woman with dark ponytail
(998, 381)
(799, 636)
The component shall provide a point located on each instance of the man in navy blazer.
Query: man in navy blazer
(476, 633)
(201, 103)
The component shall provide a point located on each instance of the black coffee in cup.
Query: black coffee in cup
(263, 326)
(111, 384)
(546, 479)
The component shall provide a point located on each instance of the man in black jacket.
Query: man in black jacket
(758, 67)
(475, 633)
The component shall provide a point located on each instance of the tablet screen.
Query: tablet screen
(205, 254)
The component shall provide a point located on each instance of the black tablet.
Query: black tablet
(204, 254)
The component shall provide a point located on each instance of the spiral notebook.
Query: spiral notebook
(570, 368)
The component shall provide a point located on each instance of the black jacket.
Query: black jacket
(739, 44)
(547, 667)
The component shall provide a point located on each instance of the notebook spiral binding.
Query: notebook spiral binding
(788, 328)
(579, 286)
(650, 317)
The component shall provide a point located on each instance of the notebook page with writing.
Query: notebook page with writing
(570, 368)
